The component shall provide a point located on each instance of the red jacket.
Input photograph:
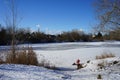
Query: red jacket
(78, 61)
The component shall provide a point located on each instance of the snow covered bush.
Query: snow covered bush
(47, 64)
(102, 64)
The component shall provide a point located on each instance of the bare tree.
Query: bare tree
(108, 13)
(11, 22)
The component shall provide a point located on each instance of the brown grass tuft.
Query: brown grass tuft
(27, 57)
(105, 55)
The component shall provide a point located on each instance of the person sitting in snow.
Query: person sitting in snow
(78, 61)
(78, 64)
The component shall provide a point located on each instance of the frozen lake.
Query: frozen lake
(66, 46)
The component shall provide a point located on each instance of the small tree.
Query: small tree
(11, 21)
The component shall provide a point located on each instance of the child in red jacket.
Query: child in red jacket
(78, 64)
(78, 61)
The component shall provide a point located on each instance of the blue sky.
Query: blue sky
(53, 16)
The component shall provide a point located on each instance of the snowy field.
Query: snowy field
(63, 55)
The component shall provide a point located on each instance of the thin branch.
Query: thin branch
(114, 22)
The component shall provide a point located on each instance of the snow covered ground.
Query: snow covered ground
(90, 72)
(63, 55)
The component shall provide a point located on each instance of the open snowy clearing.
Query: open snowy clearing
(63, 55)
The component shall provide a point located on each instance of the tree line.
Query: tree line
(26, 36)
